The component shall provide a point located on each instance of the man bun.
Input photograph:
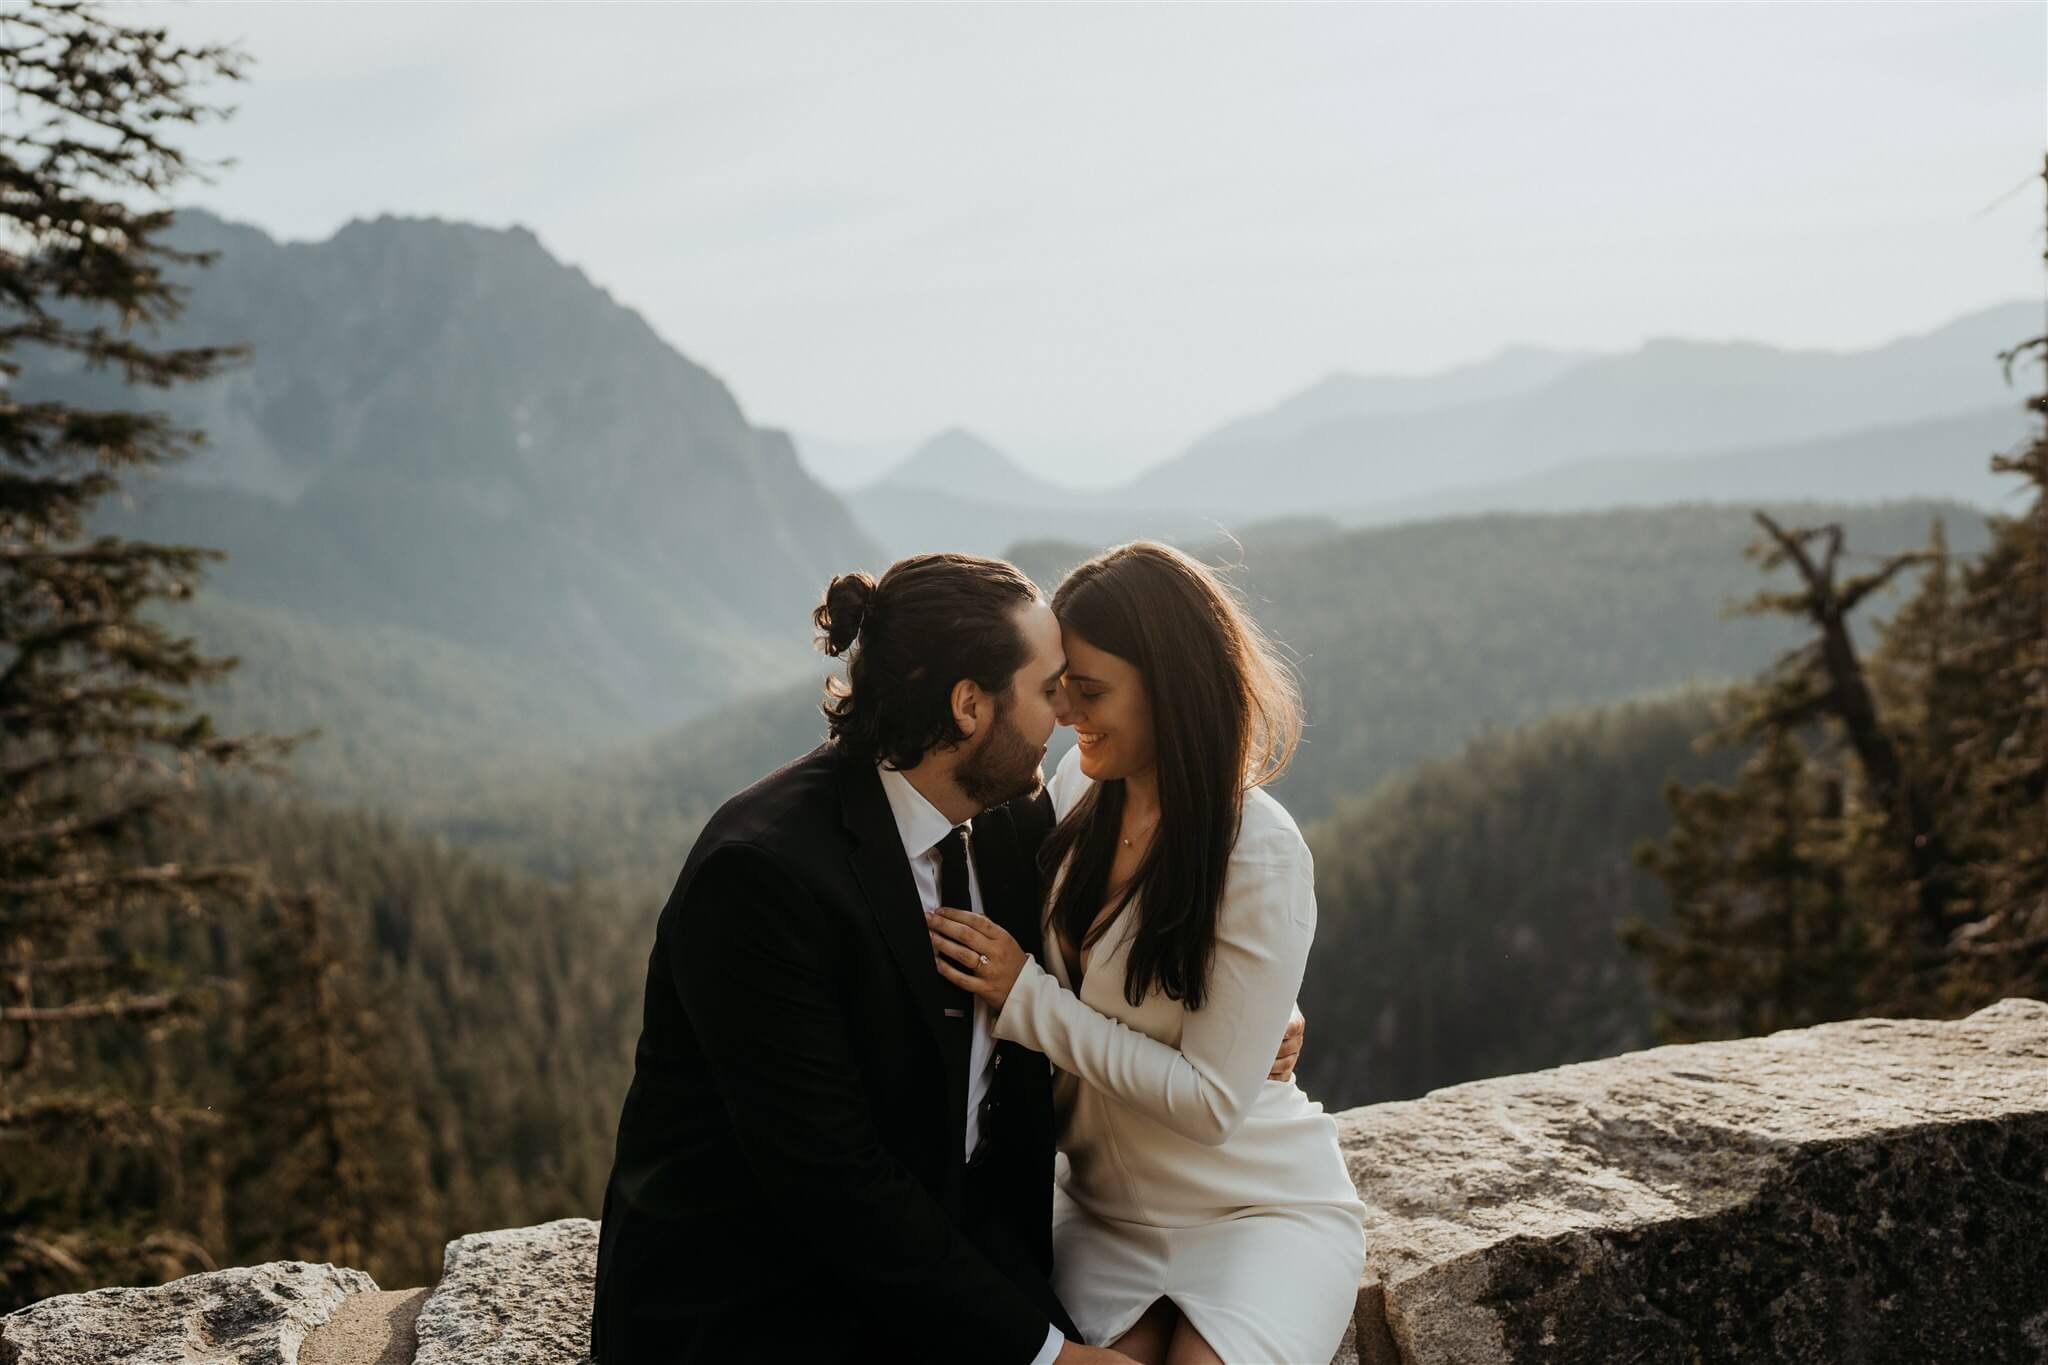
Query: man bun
(931, 621)
(845, 609)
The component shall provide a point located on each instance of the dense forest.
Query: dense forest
(1467, 908)
(493, 1015)
(326, 892)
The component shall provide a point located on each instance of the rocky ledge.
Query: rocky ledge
(1873, 1191)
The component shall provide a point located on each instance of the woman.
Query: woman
(1203, 1213)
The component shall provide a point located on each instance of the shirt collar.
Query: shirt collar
(918, 821)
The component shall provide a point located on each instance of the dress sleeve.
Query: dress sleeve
(1202, 1089)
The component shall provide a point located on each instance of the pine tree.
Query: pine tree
(332, 1166)
(1902, 868)
(2004, 735)
(1764, 933)
(98, 745)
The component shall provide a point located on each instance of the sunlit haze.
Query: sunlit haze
(1091, 234)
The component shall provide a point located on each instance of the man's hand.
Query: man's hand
(1290, 1048)
(1074, 1353)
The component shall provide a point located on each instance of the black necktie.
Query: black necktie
(953, 892)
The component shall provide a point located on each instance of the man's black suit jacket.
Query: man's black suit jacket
(789, 1174)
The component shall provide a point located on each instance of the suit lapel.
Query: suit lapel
(882, 870)
(1007, 877)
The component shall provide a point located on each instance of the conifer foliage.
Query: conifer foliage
(99, 748)
(1885, 849)
(330, 1167)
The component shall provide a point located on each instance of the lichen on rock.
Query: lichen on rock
(250, 1315)
(1871, 1190)
(520, 1296)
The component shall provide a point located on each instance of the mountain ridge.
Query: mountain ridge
(957, 458)
(1668, 397)
(448, 430)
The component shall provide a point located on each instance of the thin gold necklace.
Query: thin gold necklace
(1147, 830)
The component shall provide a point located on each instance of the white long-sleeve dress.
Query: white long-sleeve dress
(1187, 1174)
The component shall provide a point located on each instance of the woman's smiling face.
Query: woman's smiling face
(1104, 700)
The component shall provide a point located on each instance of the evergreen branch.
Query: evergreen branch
(114, 635)
(76, 1114)
(145, 85)
(2037, 943)
(173, 877)
(139, 364)
(33, 434)
(49, 1254)
(104, 553)
(113, 1007)
(72, 702)
(2008, 359)
(19, 776)
(109, 822)
(1856, 589)
(75, 966)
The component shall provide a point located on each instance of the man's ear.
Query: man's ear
(970, 707)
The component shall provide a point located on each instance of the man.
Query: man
(825, 1155)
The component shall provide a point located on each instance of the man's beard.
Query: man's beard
(1004, 767)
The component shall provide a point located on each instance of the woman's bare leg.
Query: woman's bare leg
(1148, 1338)
(1187, 1346)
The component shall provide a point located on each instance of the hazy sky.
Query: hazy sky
(1093, 233)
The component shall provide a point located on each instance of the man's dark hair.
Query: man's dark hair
(931, 621)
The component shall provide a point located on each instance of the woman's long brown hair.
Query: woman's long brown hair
(1226, 716)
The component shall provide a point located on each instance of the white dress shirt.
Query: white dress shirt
(922, 827)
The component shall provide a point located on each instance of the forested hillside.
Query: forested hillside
(1411, 640)
(443, 429)
(496, 1013)
(1468, 909)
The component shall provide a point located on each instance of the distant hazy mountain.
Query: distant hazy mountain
(1670, 397)
(443, 428)
(1511, 370)
(958, 492)
(960, 462)
(1945, 457)
(909, 520)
